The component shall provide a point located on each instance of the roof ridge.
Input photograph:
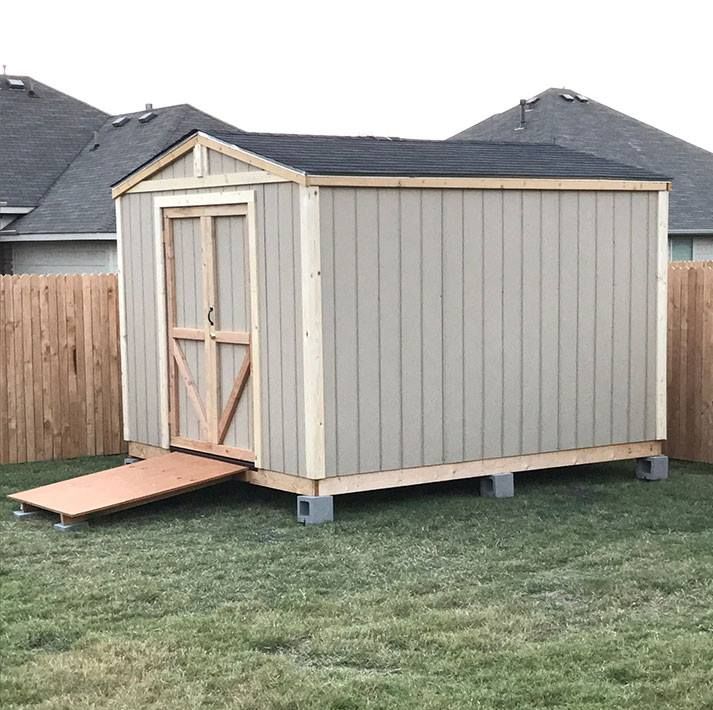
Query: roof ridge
(58, 91)
(393, 139)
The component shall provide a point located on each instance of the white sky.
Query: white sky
(412, 69)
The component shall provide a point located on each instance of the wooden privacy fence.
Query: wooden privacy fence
(690, 361)
(59, 367)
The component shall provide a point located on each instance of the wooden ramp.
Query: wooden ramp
(126, 486)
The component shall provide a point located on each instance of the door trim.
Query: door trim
(160, 203)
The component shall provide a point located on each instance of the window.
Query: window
(681, 248)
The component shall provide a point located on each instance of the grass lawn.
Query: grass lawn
(587, 590)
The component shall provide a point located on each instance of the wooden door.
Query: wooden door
(209, 312)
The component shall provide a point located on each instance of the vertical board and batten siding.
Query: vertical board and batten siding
(277, 229)
(470, 324)
(180, 168)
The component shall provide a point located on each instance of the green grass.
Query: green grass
(587, 590)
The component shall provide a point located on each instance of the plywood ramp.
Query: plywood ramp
(127, 486)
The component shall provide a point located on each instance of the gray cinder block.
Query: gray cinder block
(313, 510)
(499, 485)
(71, 527)
(25, 514)
(130, 459)
(652, 468)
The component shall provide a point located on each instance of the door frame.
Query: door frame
(207, 199)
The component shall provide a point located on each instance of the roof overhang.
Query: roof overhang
(9, 236)
(691, 232)
(8, 209)
(198, 139)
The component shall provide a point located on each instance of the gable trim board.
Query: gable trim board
(332, 212)
(301, 178)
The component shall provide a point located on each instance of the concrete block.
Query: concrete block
(499, 485)
(652, 468)
(130, 459)
(25, 514)
(313, 510)
(71, 527)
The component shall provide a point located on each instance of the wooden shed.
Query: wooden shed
(348, 314)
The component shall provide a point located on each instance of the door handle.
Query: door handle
(211, 330)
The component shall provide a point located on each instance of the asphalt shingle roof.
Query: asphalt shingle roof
(595, 128)
(40, 133)
(80, 200)
(341, 155)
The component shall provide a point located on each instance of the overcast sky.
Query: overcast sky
(369, 68)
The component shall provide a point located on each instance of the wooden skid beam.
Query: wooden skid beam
(378, 480)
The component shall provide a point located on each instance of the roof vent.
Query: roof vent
(148, 116)
(31, 91)
(16, 83)
(95, 141)
(581, 99)
(121, 121)
(531, 102)
(523, 108)
(567, 97)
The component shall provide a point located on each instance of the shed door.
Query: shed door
(209, 323)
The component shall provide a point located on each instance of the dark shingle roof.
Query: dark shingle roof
(80, 200)
(340, 155)
(597, 129)
(40, 133)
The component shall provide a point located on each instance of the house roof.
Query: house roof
(600, 130)
(399, 157)
(80, 200)
(41, 130)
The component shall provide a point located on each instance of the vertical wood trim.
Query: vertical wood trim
(255, 373)
(209, 302)
(200, 161)
(122, 319)
(661, 313)
(170, 271)
(313, 365)
(161, 327)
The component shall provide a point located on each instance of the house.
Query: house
(568, 118)
(41, 131)
(339, 313)
(58, 160)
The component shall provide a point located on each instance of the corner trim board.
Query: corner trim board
(312, 352)
(123, 355)
(661, 312)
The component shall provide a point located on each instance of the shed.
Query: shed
(349, 314)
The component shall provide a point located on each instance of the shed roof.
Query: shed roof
(399, 157)
(589, 126)
(80, 200)
(41, 131)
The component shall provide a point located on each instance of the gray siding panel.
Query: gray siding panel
(432, 324)
(367, 330)
(603, 317)
(492, 430)
(452, 278)
(389, 255)
(473, 318)
(531, 319)
(280, 318)
(471, 324)
(411, 329)
(512, 324)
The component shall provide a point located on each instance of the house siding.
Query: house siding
(64, 257)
